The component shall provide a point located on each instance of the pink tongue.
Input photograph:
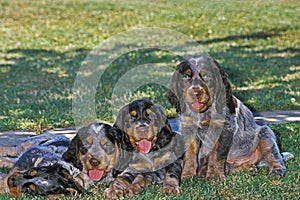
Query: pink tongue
(96, 174)
(144, 145)
(198, 106)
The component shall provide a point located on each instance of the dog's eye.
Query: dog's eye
(205, 77)
(83, 150)
(188, 73)
(108, 147)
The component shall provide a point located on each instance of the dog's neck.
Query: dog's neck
(211, 115)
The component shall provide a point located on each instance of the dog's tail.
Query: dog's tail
(287, 156)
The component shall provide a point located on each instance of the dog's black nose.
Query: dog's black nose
(94, 162)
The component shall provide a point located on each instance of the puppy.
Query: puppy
(143, 131)
(223, 125)
(55, 166)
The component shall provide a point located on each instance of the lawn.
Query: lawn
(44, 44)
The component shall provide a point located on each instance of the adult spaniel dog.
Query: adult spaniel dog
(144, 133)
(52, 165)
(219, 130)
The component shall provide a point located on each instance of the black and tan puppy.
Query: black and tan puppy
(94, 152)
(142, 129)
(202, 95)
(52, 165)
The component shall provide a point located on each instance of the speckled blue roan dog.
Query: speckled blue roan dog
(226, 135)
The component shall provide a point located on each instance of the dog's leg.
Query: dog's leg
(217, 157)
(172, 178)
(192, 144)
(138, 185)
(3, 183)
(270, 152)
(7, 162)
(118, 186)
(15, 151)
(202, 169)
(9, 151)
(190, 159)
(216, 166)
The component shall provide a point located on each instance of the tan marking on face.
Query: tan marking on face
(189, 72)
(133, 113)
(90, 139)
(103, 141)
(148, 111)
(130, 133)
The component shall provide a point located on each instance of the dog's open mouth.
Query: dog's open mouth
(96, 174)
(144, 146)
(198, 105)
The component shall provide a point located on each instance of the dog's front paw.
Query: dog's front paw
(277, 173)
(134, 189)
(114, 193)
(117, 189)
(215, 176)
(172, 189)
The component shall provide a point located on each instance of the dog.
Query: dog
(143, 131)
(52, 165)
(219, 129)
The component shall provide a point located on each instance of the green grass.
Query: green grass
(43, 43)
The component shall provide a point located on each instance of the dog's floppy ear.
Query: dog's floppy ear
(117, 132)
(165, 133)
(219, 96)
(175, 88)
(164, 136)
(118, 135)
(72, 154)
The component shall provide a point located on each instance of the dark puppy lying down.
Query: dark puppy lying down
(218, 128)
(152, 152)
(39, 168)
(52, 165)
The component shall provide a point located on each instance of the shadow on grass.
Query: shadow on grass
(36, 87)
(257, 35)
(37, 84)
